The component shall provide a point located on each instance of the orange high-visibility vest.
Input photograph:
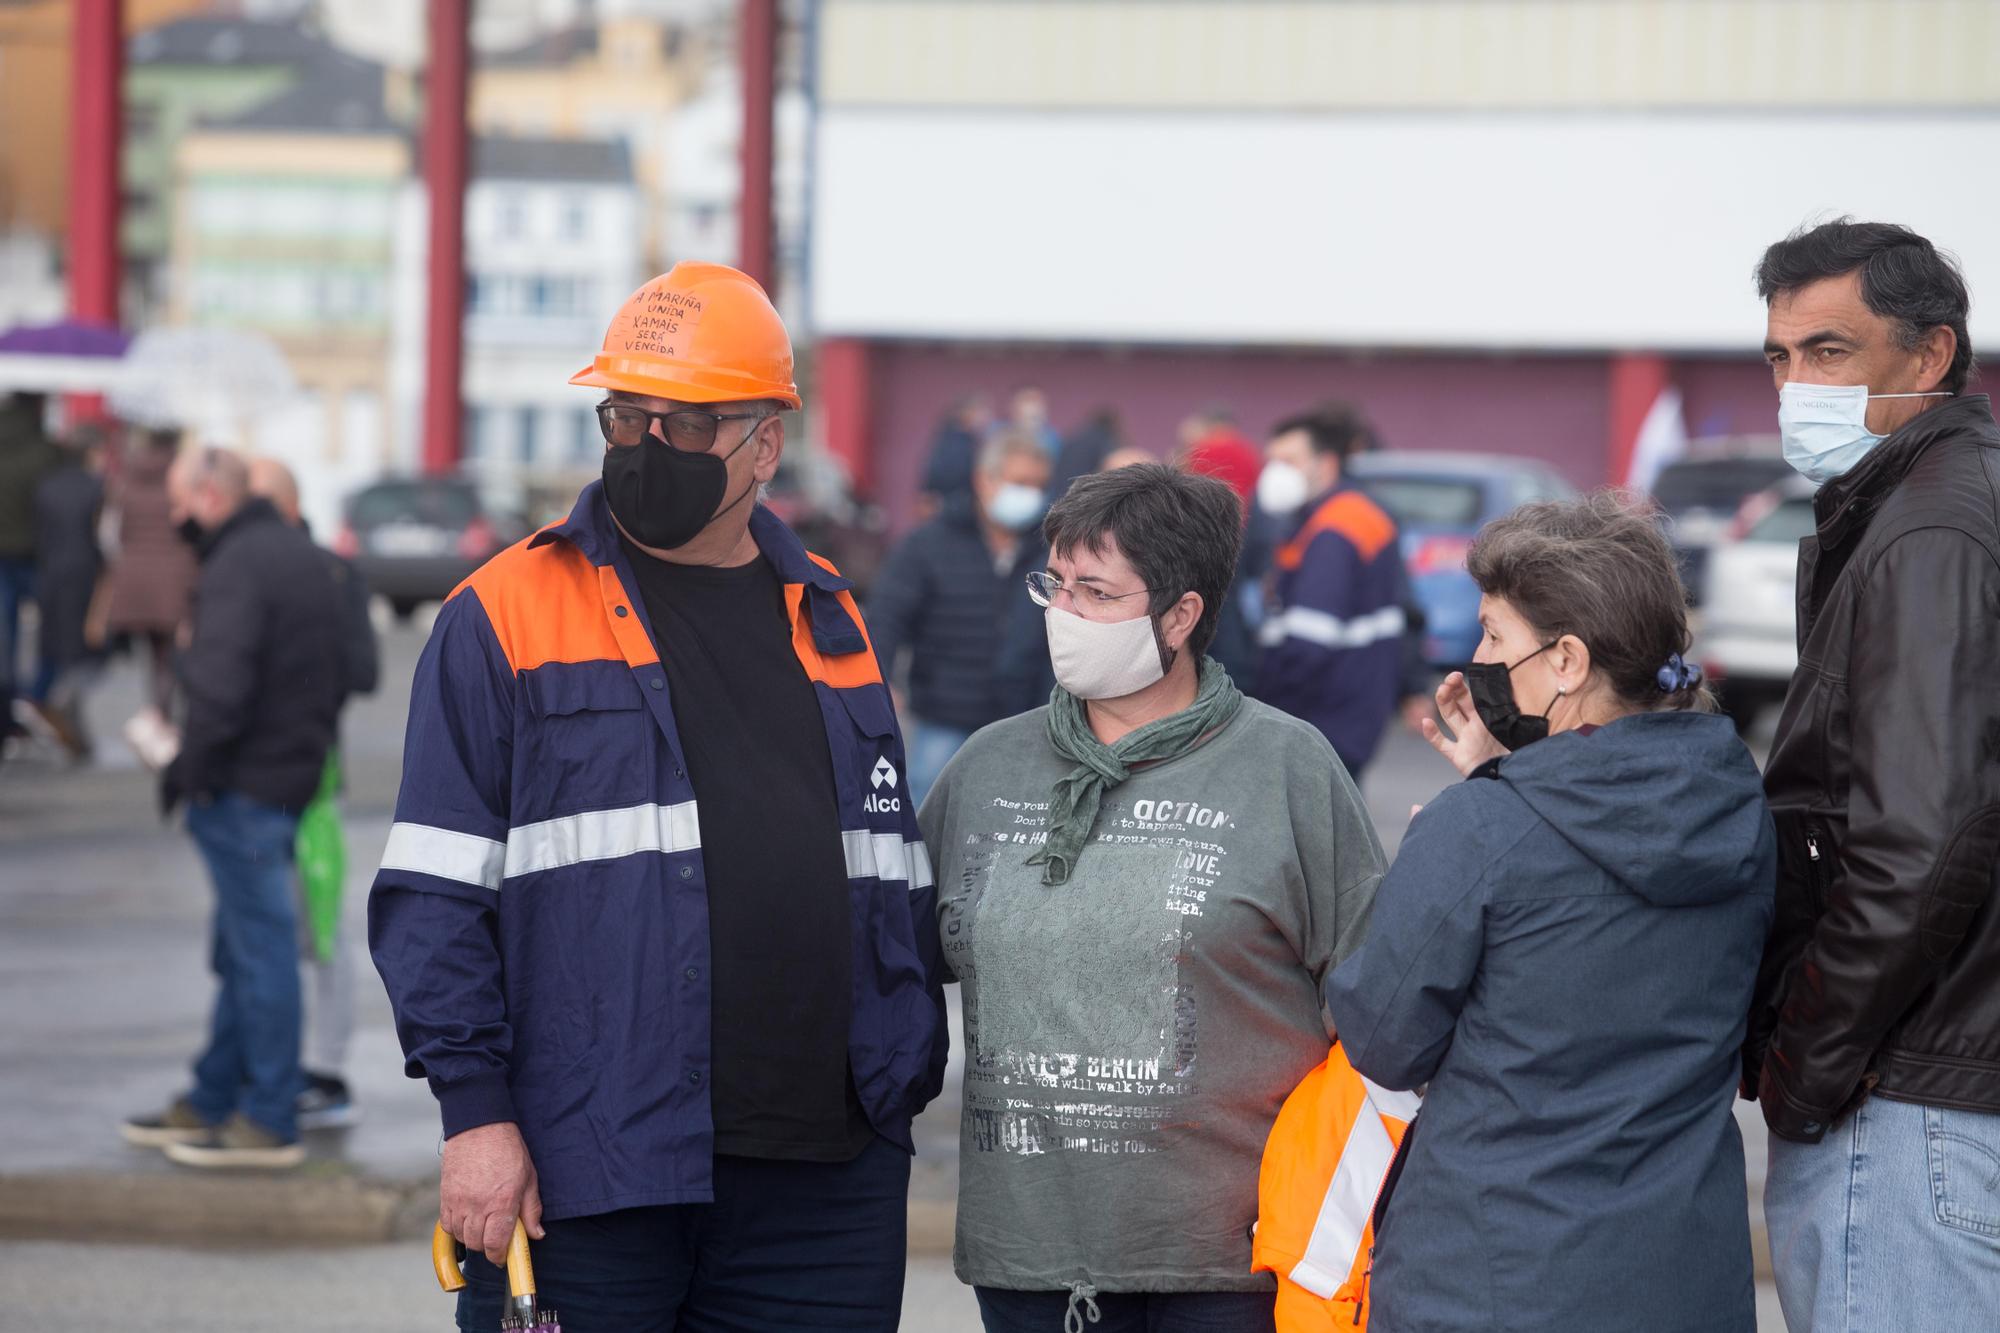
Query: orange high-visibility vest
(1323, 1168)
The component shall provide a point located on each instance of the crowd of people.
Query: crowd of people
(670, 907)
(1319, 618)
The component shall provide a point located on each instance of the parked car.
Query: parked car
(1439, 501)
(1699, 499)
(1747, 641)
(414, 539)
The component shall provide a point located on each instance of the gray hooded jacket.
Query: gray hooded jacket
(1564, 952)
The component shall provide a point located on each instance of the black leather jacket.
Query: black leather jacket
(1883, 969)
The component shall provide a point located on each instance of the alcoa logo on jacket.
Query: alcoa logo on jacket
(1324, 1164)
(883, 776)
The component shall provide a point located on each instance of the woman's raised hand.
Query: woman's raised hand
(1468, 743)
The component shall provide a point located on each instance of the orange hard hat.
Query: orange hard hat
(703, 333)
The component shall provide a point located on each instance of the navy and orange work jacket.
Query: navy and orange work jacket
(541, 914)
(1333, 637)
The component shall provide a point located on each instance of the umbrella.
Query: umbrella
(522, 1314)
(68, 357)
(211, 379)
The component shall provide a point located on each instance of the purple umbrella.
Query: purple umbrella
(70, 337)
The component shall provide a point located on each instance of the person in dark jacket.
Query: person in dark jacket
(68, 503)
(955, 450)
(26, 456)
(263, 680)
(947, 594)
(1561, 952)
(1874, 1045)
(327, 946)
(1334, 626)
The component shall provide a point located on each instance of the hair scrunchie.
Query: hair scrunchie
(1678, 674)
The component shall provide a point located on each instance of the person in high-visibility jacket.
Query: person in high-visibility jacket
(1325, 1167)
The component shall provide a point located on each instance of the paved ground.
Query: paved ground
(104, 993)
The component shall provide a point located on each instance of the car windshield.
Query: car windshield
(1428, 502)
(1718, 484)
(1790, 522)
(440, 504)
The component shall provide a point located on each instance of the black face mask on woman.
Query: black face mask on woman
(664, 497)
(1492, 687)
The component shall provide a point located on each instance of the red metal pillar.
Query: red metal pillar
(444, 182)
(1637, 379)
(759, 39)
(97, 67)
(846, 406)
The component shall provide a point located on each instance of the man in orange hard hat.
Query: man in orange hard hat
(654, 916)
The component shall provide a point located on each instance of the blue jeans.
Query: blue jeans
(17, 585)
(252, 1061)
(1004, 1311)
(929, 748)
(1892, 1221)
(785, 1245)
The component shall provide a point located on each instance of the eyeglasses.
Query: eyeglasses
(1043, 587)
(688, 429)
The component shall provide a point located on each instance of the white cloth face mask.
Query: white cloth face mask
(1281, 489)
(1824, 427)
(1102, 659)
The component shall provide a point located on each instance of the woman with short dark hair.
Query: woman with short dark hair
(1564, 952)
(1140, 888)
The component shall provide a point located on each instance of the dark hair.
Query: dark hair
(1601, 569)
(1904, 279)
(1180, 531)
(1333, 428)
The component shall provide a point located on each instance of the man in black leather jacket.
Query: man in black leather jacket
(1874, 1041)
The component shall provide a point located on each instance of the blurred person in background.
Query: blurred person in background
(955, 450)
(263, 677)
(68, 504)
(1028, 414)
(152, 570)
(654, 918)
(1213, 447)
(945, 594)
(1562, 952)
(326, 945)
(1874, 1047)
(1143, 884)
(1085, 450)
(27, 454)
(1335, 623)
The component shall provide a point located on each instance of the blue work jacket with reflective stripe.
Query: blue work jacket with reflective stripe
(541, 914)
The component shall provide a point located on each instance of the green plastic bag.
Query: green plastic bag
(321, 853)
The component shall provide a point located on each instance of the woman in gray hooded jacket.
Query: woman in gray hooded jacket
(1564, 952)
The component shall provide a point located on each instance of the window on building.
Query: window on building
(530, 419)
(472, 432)
(586, 442)
(513, 215)
(575, 219)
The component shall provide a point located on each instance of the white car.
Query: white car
(1747, 641)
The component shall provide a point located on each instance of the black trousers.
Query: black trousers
(785, 1245)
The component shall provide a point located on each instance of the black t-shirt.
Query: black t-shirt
(779, 924)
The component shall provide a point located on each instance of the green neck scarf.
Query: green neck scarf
(1101, 767)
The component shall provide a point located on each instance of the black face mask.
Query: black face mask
(191, 532)
(1492, 686)
(664, 497)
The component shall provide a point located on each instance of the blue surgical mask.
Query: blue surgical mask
(1824, 427)
(1015, 507)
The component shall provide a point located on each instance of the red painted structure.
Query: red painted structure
(97, 67)
(759, 38)
(1637, 380)
(444, 181)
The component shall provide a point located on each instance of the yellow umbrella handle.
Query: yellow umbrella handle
(444, 1258)
(520, 1268)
